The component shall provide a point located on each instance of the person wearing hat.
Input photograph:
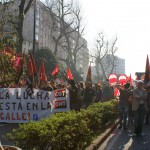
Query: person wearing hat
(139, 107)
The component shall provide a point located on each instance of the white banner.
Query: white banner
(16, 106)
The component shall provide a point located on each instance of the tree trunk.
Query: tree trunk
(20, 26)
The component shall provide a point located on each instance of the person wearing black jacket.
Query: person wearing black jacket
(123, 105)
(89, 95)
(73, 94)
(45, 86)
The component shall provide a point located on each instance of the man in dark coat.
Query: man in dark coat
(73, 94)
(89, 95)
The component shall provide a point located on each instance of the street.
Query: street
(6, 128)
(123, 140)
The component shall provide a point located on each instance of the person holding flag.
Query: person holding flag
(123, 105)
(89, 95)
(43, 79)
(73, 91)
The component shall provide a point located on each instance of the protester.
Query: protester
(45, 86)
(98, 93)
(107, 92)
(130, 113)
(80, 89)
(73, 93)
(123, 105)
(148, 101)
(139, 107)
(53, 85)
(89, 95)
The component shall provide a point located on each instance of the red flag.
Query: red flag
(19, 68)
(42, 72)
(147, 71)
(16, 63)
(30, 67)
(112, 79)
(55, 72)
(89, 74)
(33, 64)
(116, 92)
(69, 74)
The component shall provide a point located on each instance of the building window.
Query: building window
(36, 37)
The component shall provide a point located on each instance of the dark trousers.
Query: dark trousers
(147, 117)
(123, 112)
(139, 119)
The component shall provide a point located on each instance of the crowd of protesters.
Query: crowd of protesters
(133, 102)
(134, 106)
(82, 94)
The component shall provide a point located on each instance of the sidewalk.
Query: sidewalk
(123, 140)
(100, 139)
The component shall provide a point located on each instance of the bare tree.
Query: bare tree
(104, 56)
(67, 29)
(17, 10)
(24, 6)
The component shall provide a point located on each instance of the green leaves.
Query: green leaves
(65, 131)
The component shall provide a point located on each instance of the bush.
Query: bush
(64, 131)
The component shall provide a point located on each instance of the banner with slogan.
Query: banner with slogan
(16, 106)
(122, 79)
(112, 79)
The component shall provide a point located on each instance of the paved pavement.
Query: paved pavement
(6, 128)
(123, 140)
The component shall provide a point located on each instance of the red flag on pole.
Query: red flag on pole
(116, 92)
(33, 64)
(30, 68)
(69, 74)
(147, 71)
(89, 75)
(55, 72)
(42, 72)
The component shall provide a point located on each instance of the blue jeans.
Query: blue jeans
(123, 112)
(139, 119)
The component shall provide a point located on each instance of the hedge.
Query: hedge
(65, 131)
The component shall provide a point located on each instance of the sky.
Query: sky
(129, 20)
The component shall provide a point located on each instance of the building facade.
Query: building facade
(45, 35)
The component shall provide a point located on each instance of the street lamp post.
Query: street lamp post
(34, 27)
